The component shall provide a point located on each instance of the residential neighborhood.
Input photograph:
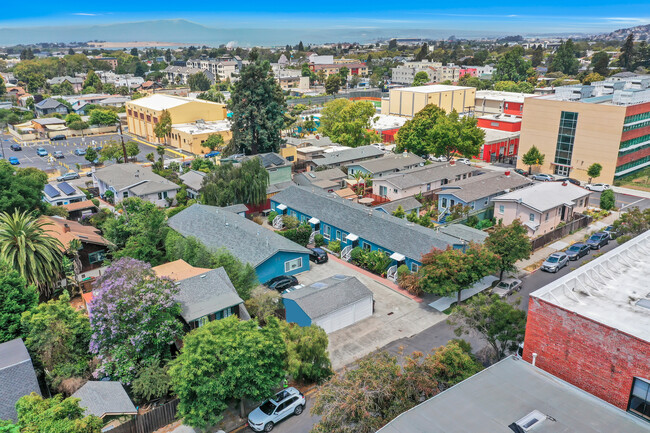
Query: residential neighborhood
(318, 221)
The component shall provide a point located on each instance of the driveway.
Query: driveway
(395, 316)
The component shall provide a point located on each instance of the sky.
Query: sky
(521, 17)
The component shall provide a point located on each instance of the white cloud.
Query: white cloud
(84, 14)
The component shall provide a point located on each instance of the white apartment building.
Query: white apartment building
(223, 69)
(436, 71)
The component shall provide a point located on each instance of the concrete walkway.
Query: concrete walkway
(630, 191)
(561, 244)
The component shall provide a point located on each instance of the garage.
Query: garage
(332, 303)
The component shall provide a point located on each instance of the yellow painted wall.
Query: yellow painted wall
(404, 102)
(289, 152)
(597, 139)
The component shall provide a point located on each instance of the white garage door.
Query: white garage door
(346, 316)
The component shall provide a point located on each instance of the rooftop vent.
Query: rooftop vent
(319, 285)
(340, 277)
(645, 303)
(528, 423)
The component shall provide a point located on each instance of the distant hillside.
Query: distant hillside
(641, 33)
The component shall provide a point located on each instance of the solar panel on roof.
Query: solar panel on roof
(275, 159)
(66, 188)
(51, 191)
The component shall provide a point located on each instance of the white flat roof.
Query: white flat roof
(610, 289)
(159, 101)
(203, 128)
(433, 88)
(497, 135)
(502, 96)
(386, 121)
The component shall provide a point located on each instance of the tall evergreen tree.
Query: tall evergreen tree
(565, 60)
(626, 58)
(257, 105)
(600, 63)
(538, 56)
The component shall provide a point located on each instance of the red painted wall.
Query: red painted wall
(488, 149)
(634, 133)
(388, 136)
(637, 109)
(633, 156)
(472, 72)
(501, 125)
(514, 108)
(594, 357)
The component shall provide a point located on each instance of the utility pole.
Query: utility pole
(119, 125)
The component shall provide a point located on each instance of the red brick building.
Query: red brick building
(592, 327)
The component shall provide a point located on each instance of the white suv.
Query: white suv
(284, 403)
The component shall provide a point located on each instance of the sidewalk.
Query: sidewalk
(561, 244)
(630, 191)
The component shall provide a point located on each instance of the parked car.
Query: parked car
(58, 154)
(555, 262)
(281, 283)
(598, 240)
(577, 250)
(287, 402)
(598, 187)
(506, 287)
(13, 160)
(543, 177)
(521, 172)
(79, 152)
(89, 174)
(440, 158)
(611, 231)
(568, 179)
(41, 152)
(318, 255)
(16, 147)
(68, 176)
(58, 137)
(212, 154)
(463, 161)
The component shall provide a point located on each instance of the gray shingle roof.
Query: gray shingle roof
(217, 228)
(495, 398)
(102, 398)
(269, 160)
(193, 179)
(206, 294)
(17, 377)
(390, 162)
(121, 176)
(328, 295)
(464, 232)
(309, 177)
(545, 195)
(484, 185)
(348, 155)
(236, 208)
(277, 187)
(48, 103)
(407, 203)
(385, 230)
(427, 174)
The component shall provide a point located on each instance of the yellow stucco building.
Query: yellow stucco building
(190, 136)
(408, 101)
(142, 115)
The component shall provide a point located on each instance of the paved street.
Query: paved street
(623, 201)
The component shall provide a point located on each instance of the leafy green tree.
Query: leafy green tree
(308, 359)
(3, 88)
(91, 155)
(164, 126)
(594, 170)
(152, 381)
(510, 243)
(134, 319)
(224, 360)
(333, 84)
(138, 232)
(538, 56)
(600, 63)
(72, 117)
(214, 142)
(498, 322)
(66, 88)
(592, 78)
(626, 58)
(103, 117)
(257, 105)
(448, 272)
(348, 123)
(422, 53)
(93, 80)
(607, 200)
(241, 275)
(263, 303)
(399, 212)
(229, 184)
(198, 82)
(9, 427)
(16, 297)
(432, 131)
(58, 336)
(27, 247)
(112, 151)
(343, 73)
(512, 66)
(212, 95)
(421, 78)
(633, 222)
(21, 189)
(533, 157)
(565, 59)
(55, 415)
(132, 149)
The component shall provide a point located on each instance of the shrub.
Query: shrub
(298, 235)
(375, 261)
(319, 240)
(607, 200)
(95, 201)
(472, 221)
(334, 246)
(259, 219)
(271, 217)
(402, 271)
(152, 381)
(290, 222)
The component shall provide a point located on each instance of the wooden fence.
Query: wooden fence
(150, 421)
(577, 223)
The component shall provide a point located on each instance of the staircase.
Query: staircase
(312, 236)
(346, 253)
(392, 273)
(277, 222)
(442, 218)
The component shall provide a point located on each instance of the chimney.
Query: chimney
(507, 173)
(66, 228)
(564, 183)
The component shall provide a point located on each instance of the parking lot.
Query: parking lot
(28, 157)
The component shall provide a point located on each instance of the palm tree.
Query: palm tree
(26, 245)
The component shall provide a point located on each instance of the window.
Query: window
(125, 194)
(382, 191)
(225, 313)
(338, 235)
(162, 195)
(366, 246)
(428, 187)
(96, 257)
(502, 208)
(531, 217)
(327, 232)
(415, 267)
(565, 139)
(546, 217)
(148, 118)
(292, 265)
(202, 321)
(640, 398)
(444, 202)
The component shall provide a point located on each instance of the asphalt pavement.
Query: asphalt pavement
(302, 423)
(623, 201)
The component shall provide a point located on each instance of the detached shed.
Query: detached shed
(332, 304)
(104, 398)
